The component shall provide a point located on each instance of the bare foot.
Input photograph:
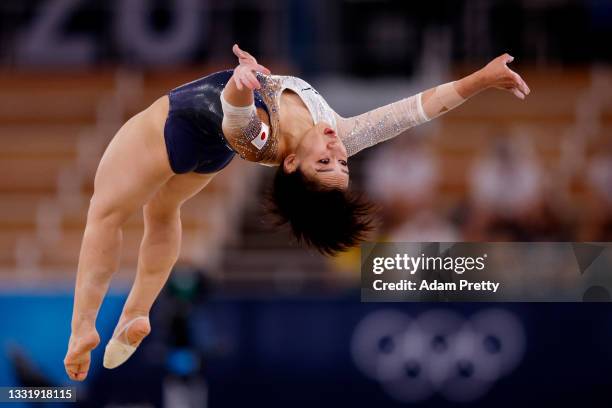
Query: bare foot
(78, 357)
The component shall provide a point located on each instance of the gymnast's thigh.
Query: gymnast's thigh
(134, 166)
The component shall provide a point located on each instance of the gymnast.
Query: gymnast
(167, 153)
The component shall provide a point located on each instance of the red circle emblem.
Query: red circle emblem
(263, 136)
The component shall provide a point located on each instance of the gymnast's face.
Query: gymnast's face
(322, 157)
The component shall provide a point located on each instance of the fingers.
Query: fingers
(241, 80)
(244, 77)
(505, 78)
(516, 78)
(263, 69)
(517, 93)
(237, 51)
(243, 56)
(519, 83)
(507, 58)
(237, 81)
(246, 59)
(252, 80)
(524, 86)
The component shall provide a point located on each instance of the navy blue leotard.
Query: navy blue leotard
(193, 134)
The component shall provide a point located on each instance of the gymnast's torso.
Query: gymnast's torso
(193, 131)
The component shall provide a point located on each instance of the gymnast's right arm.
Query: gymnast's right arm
(239, 113)
(366, 130)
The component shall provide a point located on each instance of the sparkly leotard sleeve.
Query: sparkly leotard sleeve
(378, 125)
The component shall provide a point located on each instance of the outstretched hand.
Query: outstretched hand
(498, 75)
(244, 73)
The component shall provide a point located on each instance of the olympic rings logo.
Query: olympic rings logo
(438, 352)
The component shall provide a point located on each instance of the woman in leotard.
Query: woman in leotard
(169, 152)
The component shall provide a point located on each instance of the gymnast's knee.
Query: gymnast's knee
(103, 212)
(160, 216)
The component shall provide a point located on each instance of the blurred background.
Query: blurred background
(249, 317)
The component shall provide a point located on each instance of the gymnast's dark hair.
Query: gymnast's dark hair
(328, 219)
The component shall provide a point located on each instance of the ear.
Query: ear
(291, 163)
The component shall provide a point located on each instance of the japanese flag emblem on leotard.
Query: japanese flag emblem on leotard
(262, 138)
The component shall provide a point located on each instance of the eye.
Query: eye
(324, 161)
(343, 162)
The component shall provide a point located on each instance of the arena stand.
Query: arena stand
(567, 119)
(559, 97)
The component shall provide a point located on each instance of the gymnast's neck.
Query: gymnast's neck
(295, 122)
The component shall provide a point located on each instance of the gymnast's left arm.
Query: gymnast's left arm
(384, 123)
